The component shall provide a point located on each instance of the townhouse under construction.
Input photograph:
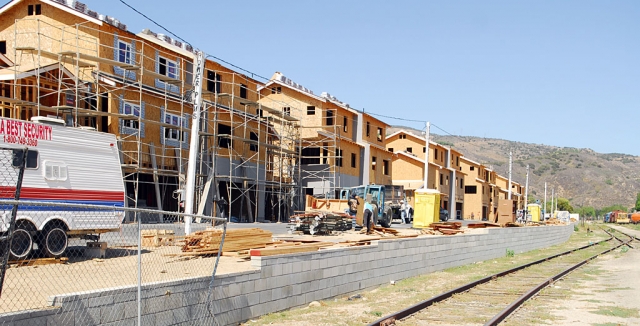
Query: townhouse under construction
(264, 144)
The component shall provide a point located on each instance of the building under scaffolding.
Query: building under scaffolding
(63, 60)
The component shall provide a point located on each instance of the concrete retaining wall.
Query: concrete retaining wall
(286, 281)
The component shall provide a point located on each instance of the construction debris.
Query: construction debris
(446, 225)
(320, 222)
(512, 225)
(207, 242)
(38, 262)
(156, 238)
(378, 230)
(289, 248)
(482, 225)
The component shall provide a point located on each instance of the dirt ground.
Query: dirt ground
(611, 298)
(29, 287)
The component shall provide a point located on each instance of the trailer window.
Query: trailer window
(55, 171)
(32, 158)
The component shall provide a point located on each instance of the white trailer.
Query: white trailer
(64, 165)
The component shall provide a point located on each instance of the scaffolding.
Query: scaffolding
(108, 79)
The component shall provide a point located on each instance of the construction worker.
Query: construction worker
(368, 216)
(353, 205)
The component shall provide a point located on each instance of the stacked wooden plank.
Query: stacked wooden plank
(446, 225)
(156, 238)
(482, 225)
(207, 242)
(284, 248)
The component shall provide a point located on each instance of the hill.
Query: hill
(581, 175)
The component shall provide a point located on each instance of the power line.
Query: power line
(183, 40)
(388, 117)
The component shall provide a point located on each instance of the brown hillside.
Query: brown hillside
(581, 175)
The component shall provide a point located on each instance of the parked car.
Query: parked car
(444, 215)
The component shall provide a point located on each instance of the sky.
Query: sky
(561, 73)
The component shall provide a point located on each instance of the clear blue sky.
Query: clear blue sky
(562, 73)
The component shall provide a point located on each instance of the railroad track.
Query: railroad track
(491, 299)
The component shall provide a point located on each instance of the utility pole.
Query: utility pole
(509, 185)
(426, 157)
(552, 193)
(545, 199)
(526, 195)
(190, 187)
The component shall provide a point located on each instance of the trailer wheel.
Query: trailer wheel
(22, 242)
(56, 241)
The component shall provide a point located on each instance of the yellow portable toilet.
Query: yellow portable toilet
(534, 211)
(427, 208)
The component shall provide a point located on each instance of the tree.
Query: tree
(637, 208)
(563, 205)
(586, 211)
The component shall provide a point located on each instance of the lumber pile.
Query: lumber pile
(156, 238)
(443, 228)
(512, 225)
(380, 231)
(446, 225)
(482, 225)
(37, 262)
(554, 221)
(289, 248)
(207, 242)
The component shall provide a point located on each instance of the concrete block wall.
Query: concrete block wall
(282, 282)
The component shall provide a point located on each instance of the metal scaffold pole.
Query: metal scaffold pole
(193, 143)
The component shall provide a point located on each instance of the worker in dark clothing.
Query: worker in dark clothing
(368, 216)
(353, 205)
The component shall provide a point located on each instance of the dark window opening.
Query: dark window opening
(471, 168)
(435, 151)
(368, 129)
(31, 10)
(410, 149)
(311, 110)
(329, 118)
(259, 113)
(379, 135)
(441, 179)
(344, 124)
(325, 153)
(470, 189)
(224, 132)
(214, 82)
(385, 167)
(32, 158)
(390, 149)
(253, 147)
(338, 157)
(461, 183)
(353, 160)
(373, 163)
(310, 156)
(188, 70)
(3, 47)
(243, 90)
(286, 110)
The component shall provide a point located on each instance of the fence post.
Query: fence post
(12, 224)
(138, 219)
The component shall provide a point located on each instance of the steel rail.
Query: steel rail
(390, 319)
(498, 318)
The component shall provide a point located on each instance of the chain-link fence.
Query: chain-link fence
(77, 264)
(135, 273)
